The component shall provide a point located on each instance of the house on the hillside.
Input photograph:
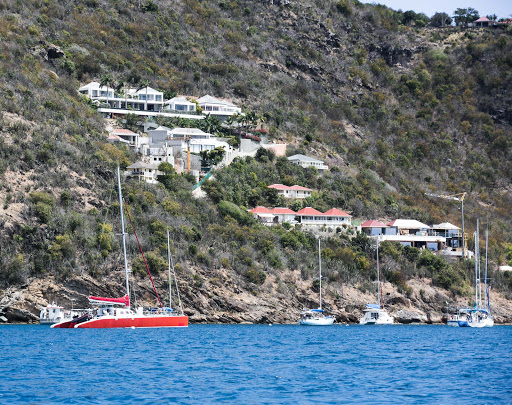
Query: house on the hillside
(126, 136)
(180, 104)
(143, 171)
(373, 228)
(483, 22)
(218, 107)
(306, 161)
(311, 217)
(146, 99)
(291, 191)
(276, 215)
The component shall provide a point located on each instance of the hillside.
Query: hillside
(395, 109)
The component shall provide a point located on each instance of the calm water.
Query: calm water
(244, 364)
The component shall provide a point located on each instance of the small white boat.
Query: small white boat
(316, 317)
(475, 318)
(53, 313)
(375, 314)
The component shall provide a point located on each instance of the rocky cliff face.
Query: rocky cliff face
(220, 299)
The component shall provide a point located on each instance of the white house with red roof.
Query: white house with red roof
(307, 216)
(291, 191)
(274, 215)
(125, 136)
(333, 217)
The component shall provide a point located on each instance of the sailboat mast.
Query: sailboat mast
(379, 292)
(486, 249)
(169, 269)
(123, 234)
(320, 271)
(476, 265)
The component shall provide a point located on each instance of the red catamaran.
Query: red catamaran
(116, 312)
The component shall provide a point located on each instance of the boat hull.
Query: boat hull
(317, 322)
(107, 322)
(71, 323)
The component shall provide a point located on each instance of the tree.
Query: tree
(106, 80)
(212, 157)
(440, 20)
(463, 16)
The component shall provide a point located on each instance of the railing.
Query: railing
(202, 180)
(195, 112)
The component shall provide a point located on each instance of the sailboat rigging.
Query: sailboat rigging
(316, 317)
(117, 312)
(375, 314)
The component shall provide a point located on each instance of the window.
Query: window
(158, 97)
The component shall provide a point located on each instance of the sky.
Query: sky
(502, 8)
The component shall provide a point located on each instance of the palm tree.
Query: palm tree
(144, 84)
(120, 84)
(106, 79)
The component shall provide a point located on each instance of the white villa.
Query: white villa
(306, 161)
(145, 172)
(307, 216)
(217, 106)
(444, 238)
(146, 99)
(291, 191)
(180, 103)
(150, 102)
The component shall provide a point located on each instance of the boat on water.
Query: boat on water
(53, 313)
(316, 317)
(480, 316)
(117, 312)
(376, 314)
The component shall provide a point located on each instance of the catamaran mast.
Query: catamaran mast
(123, 234)
(476, 265)
(379, 292)
(320, 271)
(486, 249)
(169, 269)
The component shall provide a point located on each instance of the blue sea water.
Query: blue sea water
(256, 364)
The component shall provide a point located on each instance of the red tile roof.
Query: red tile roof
(300, 188)
(279, 186)
(373, 224)
(334, 212)
(283, 187)
(280, 210)
(260, 210)
(309, 211)
(123, 132)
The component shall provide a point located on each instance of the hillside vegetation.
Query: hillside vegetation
(395, 107)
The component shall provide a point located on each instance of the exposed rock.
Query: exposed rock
(406, 316)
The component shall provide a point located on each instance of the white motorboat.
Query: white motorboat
(375, 314)
(316, 317)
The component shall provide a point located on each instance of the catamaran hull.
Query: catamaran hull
(317, 322)
(71, 323)
(108, 322)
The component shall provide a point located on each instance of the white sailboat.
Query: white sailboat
(316, 317)
(375, 314)
(480, 316)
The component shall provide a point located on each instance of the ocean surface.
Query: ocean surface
(256, 364)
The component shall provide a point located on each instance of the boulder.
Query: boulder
(406, 317)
